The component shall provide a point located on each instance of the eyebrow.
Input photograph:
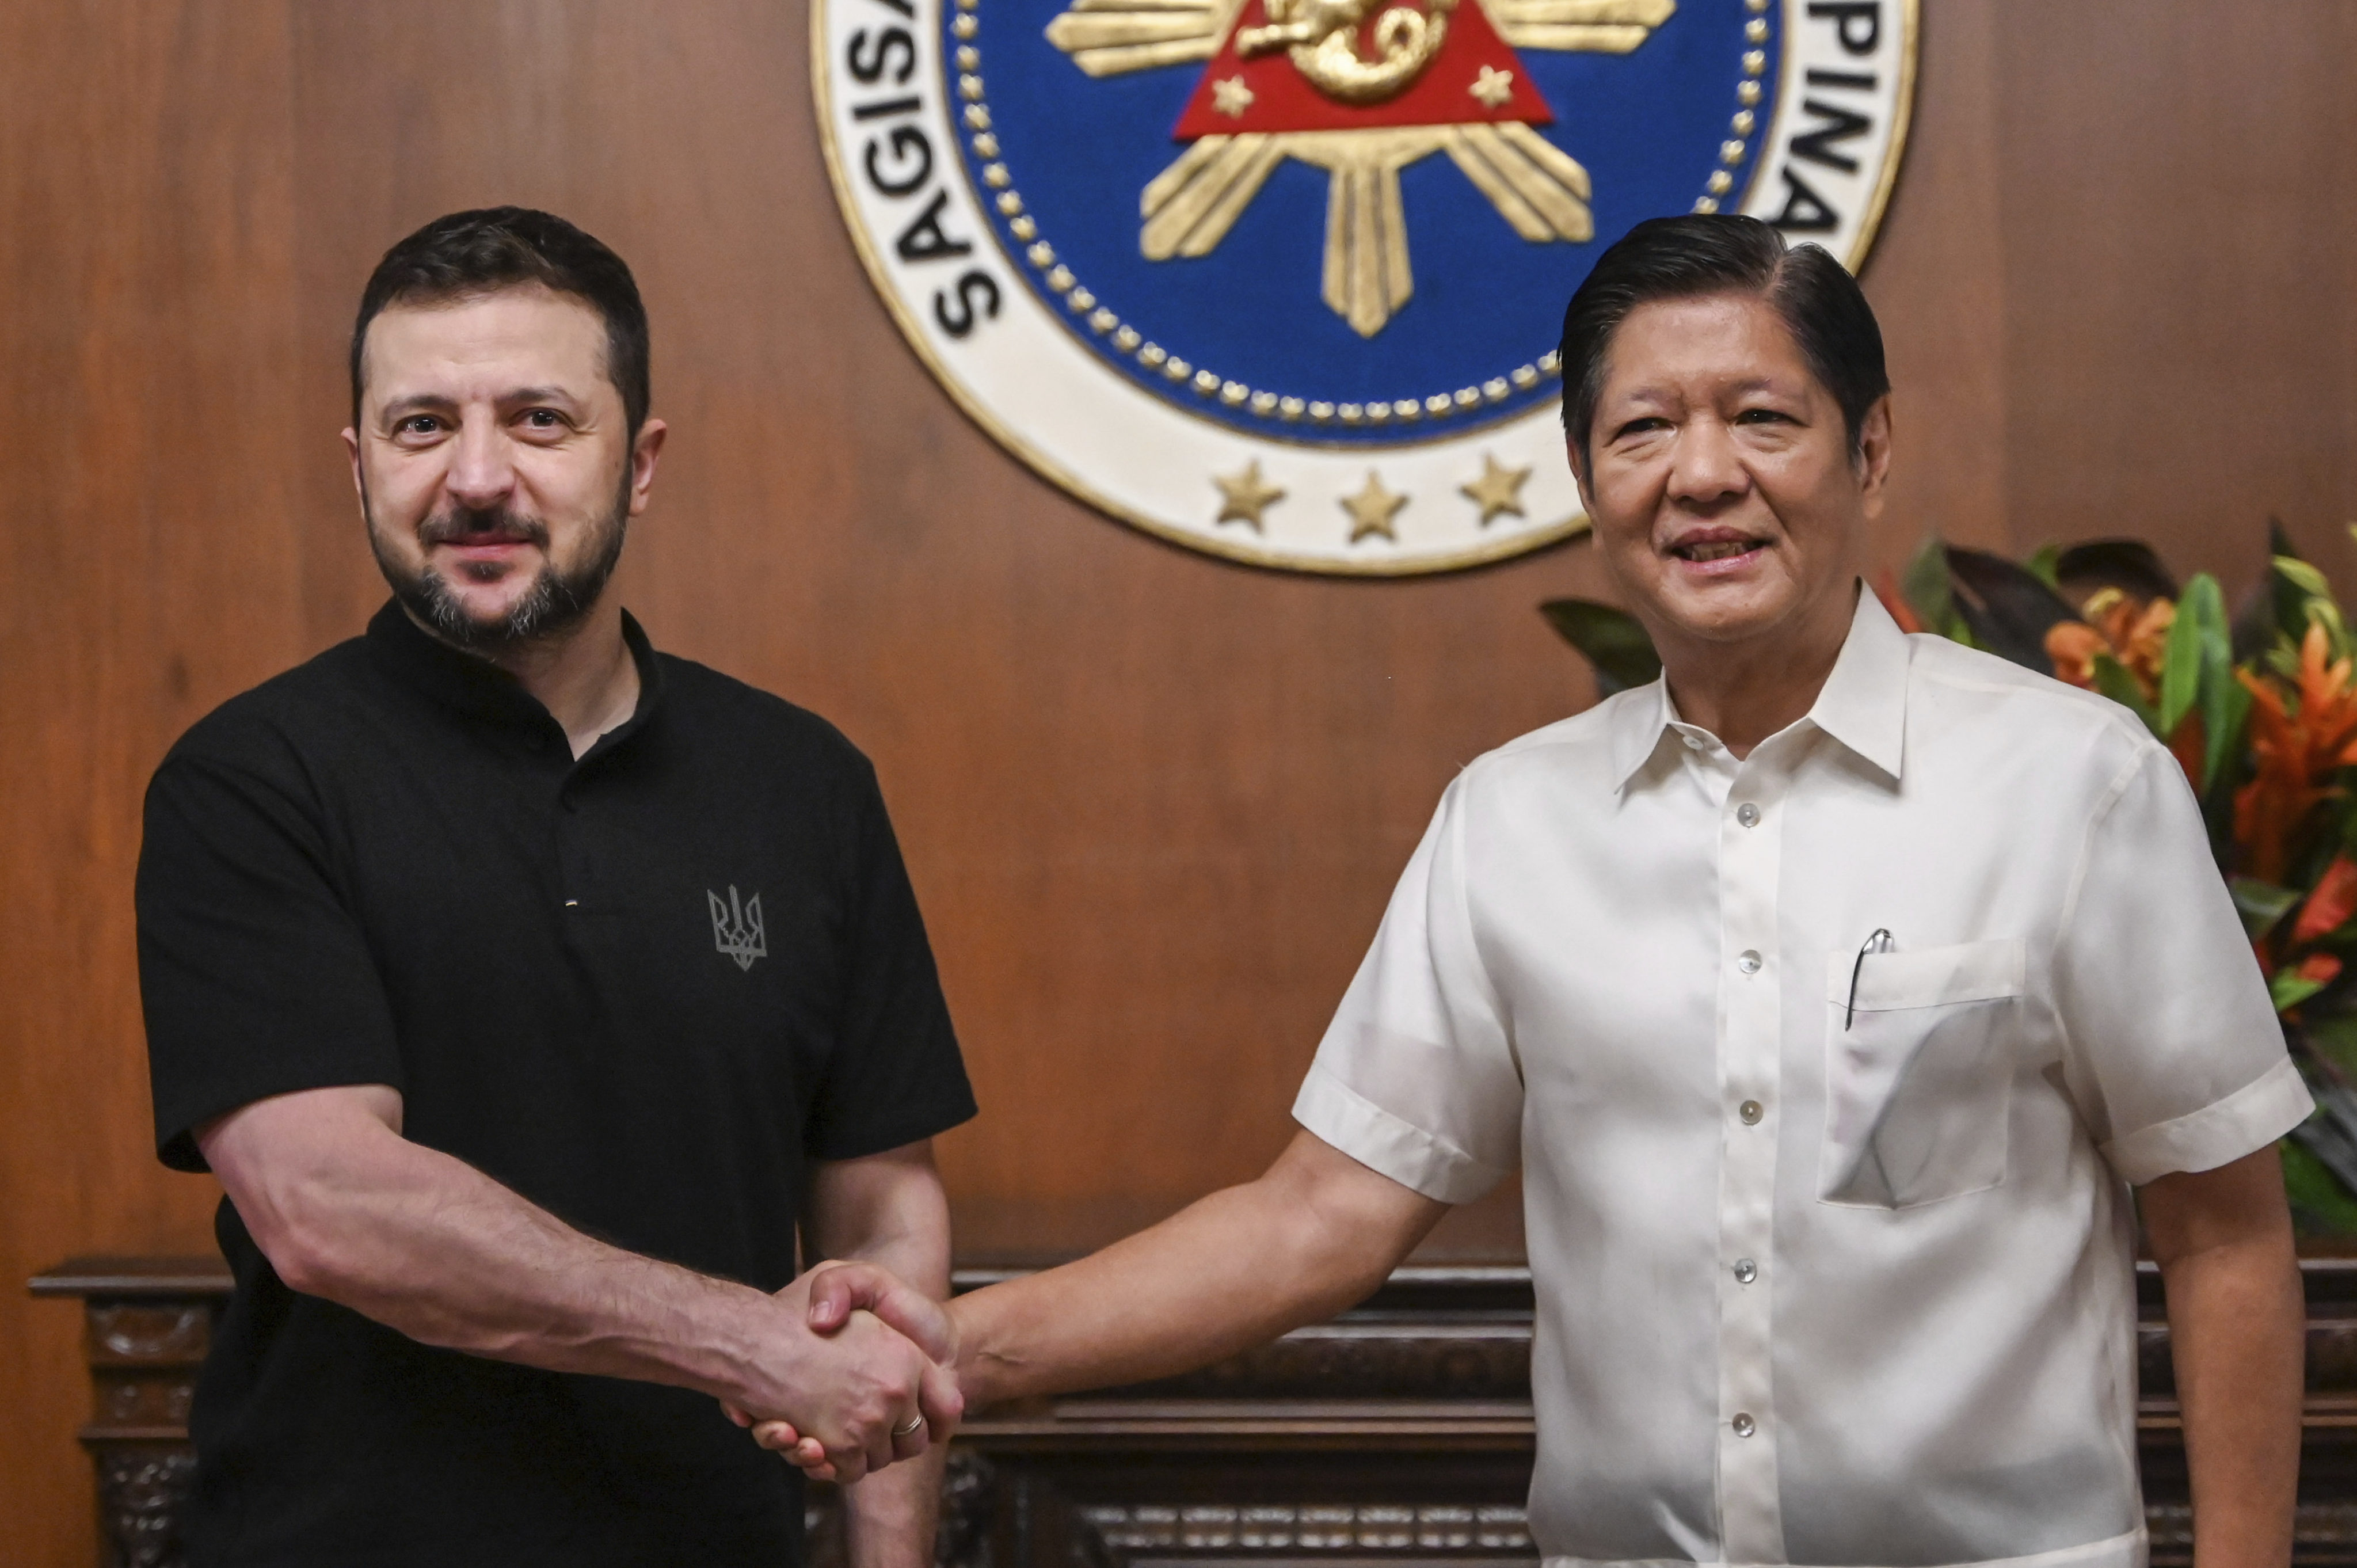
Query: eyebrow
(436, 402)
(415, 402)
(1642, 395)
(538, 394)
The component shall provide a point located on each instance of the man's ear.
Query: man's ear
(353, 452)
(1874, 455)
(645, 452)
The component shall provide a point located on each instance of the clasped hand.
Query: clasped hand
(867, 1379)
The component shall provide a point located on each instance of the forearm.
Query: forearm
(430, 1246)
(888, 1210)
(1313, 1236)
(2237, 1329)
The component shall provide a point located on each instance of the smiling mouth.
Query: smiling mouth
(1707, 550)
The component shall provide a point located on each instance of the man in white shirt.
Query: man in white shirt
(1831, 993)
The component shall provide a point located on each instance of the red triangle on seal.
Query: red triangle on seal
(1473, 79)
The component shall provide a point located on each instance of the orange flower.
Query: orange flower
(1886, 588)
(2330, 902)
(2137, 633)
(2073, 645)
(2295, 746)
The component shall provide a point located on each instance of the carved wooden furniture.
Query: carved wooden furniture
(1398, 1434)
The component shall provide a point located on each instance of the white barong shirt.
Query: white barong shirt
(1821, 1280)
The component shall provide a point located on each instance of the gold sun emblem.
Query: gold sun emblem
(1357, 59)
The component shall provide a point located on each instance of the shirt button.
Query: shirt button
(1748, 961)
(1750, 1110)
(1748, 815)
(1746, 1271)
(1743, 1423)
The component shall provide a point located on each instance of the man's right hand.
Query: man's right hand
(848, 1383)
(841, 1301)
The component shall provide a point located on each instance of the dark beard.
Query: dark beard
(555, 602)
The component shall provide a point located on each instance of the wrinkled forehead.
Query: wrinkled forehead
(482, 345)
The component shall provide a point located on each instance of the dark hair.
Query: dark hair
(493, 248)
(1679, 258)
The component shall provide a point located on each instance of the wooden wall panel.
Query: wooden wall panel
(2181, 277)
(146, 572)
(1153, 802)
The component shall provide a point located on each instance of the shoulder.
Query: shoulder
(718, 710)
(1995, 702)
(268, 729)
(1572, 752)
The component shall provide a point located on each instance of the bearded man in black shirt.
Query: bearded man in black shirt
(524, 988)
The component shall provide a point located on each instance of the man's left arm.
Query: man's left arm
(888, 1210)
(2237, 1329)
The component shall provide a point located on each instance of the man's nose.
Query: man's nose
(481, 474)
(1704, 465)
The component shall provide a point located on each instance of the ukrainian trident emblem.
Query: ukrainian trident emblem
(1360, 90)
(736, 927)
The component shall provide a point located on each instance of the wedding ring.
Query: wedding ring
(914, 1422)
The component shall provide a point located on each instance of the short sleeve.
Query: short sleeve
(894, 1074)
(254, 977)
(2173, 1053)
(1416, 1077)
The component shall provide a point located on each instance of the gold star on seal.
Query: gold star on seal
(1372, 511)
(1231, 97)
(1244, 497)
(1498, 490)
(1493, 86)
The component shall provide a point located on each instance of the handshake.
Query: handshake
(871, 1381)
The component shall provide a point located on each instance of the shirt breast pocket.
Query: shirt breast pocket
(1918, 1078)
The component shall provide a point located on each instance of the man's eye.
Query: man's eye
(543, 419)
(1641, 427)
(1762, 416)
(420, 424)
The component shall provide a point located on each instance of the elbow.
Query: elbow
(305, 1259)
(306, 1243)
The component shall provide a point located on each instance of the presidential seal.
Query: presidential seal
(1280, 280)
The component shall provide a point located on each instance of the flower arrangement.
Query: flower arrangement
(2258, 707)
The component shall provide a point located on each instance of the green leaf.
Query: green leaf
(2205, 626)
(2114, 681)
(2303, 576)
(2318, 1198)
(2042, 565)
(2180, 674)
(2323, 612)
(1613, 639)
(2261, 904)
(1925, 584)
(2225, 710)
(2289, 988)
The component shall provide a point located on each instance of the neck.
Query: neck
(1745, 692)
(583, 676)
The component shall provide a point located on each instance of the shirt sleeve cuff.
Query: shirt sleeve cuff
(1380, 1141)
(2247, 1119)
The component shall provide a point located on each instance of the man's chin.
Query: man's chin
(1729, 611)
(483, 621)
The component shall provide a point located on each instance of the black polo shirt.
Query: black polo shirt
(641, 989)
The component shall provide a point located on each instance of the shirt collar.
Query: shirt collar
(1863, 703)
(481, 690)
